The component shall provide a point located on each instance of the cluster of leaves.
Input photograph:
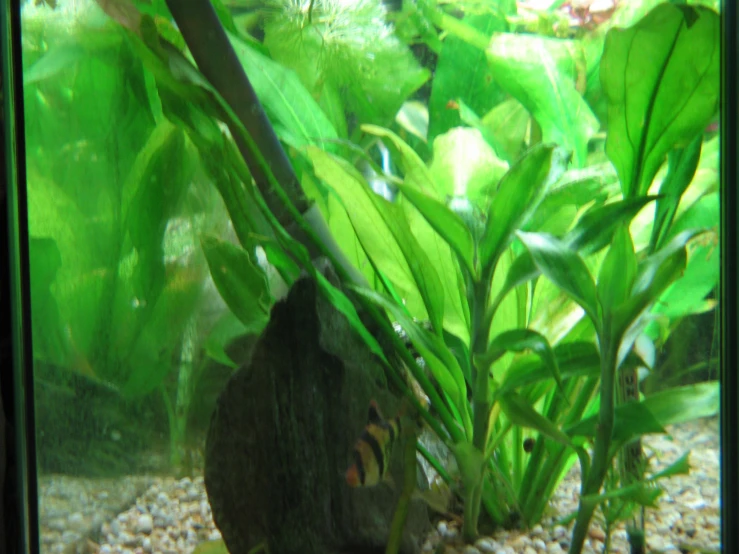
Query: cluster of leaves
(496, 233)
(117, 202)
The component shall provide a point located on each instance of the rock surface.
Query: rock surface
(281, 437)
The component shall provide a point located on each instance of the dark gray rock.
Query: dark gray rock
(282, 433)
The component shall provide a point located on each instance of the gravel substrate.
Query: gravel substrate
(140, 515)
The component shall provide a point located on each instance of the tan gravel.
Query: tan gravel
(142, 515)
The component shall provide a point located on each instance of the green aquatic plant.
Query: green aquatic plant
(511, 357)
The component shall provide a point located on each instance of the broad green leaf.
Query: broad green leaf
(464, 165)
(462, 72)
(520, 192)
(297, 118)
(441, 256)
(520, 340)
(241, 282)
(508, 122)
(471, 119)
(413, 116)
(342, 229)
(618, 271)
(527, 68)
(661, 81)
(565, 268)
(415, 172)
(445, 222)
(52, 62)
(385, 236)
(681, 166)
(676, 405)
(519, 412)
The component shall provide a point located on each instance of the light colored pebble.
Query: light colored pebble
(487, 544)
(105, 549)
(554, 548)
(68, 537)
(146, 544)
(539, 544)
(469, 549)
(144, 524)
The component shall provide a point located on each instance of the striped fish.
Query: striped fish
(373, 449)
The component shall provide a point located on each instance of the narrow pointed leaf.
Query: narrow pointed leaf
(654, 275)
(415, 172)
(618, 271)
(520, 340)
(521, 413)
(438, 358)
(676, 405)
(596, 228)
(681, 466)
(565, 268)
(576, 359)
(639, 493)
(682, 164)
(445, 222)
(384, 234)
(240, 281)
(661, 82)
(519, 193)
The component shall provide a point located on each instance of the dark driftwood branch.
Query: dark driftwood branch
(217, 61)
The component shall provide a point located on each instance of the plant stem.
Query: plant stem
(593, 479)
(401, 509)
(481, 403)
(454, 26)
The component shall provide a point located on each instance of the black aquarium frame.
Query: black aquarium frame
(20, 495)
(18, 479)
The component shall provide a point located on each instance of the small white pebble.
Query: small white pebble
(559, 531)
(469, 549)
(486, 544)
(105, 549)
(554, 548)
(144, 524)
(162, 499)
(529, 550)
(540, 545)
(537, 530)
(146, 544)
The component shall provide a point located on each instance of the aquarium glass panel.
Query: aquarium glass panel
(374, 276)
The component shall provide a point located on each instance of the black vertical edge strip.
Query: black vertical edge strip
(24, 452)
(729, 254)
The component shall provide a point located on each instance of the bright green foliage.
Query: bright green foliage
(464, 165)
(661, 79)
(535, 71)
(507, 209)
(346, 46)
(462, 72)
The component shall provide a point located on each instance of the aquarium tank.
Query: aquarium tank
(358, 276)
